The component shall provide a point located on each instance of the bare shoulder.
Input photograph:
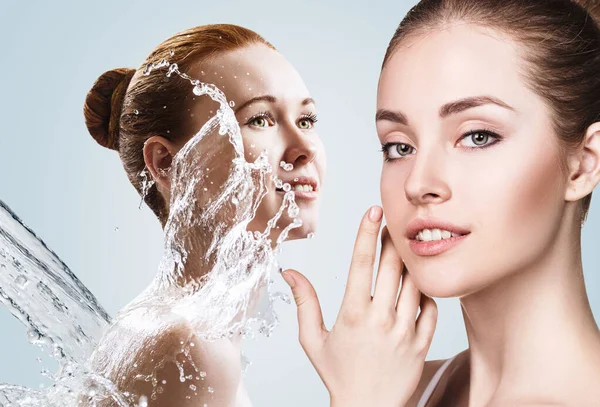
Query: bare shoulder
(169, 365)
(429, 369)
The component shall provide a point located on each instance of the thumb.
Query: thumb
(310, 318)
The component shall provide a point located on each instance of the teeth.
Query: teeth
(428, 235)
(303, 188)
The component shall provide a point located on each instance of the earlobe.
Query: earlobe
(585, 166)
(158, 156)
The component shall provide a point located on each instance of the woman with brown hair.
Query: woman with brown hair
(488, 113)
(151, 351)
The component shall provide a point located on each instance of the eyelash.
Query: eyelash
(385, 147)
(312, 117)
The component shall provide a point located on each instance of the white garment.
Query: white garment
(433, 383)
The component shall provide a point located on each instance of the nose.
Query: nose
(426, 183)
(300, 147)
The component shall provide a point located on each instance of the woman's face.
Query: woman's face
(276, 114)
(471, 145)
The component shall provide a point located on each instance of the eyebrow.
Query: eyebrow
(270, 99)
(448, 109)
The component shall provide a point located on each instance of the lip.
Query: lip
(434, 247)
(431, 248)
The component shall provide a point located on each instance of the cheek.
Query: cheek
(393, 200)
(515, 213)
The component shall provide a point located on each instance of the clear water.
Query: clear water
(214, 275)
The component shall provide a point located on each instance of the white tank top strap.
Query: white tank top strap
(434, 382)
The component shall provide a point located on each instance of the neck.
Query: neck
(532, 319)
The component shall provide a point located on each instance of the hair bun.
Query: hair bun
(103, 105)
(592, 7)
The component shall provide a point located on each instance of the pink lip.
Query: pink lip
(309, 196)
(434, 247)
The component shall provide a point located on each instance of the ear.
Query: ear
(584, 166)
(158, 156)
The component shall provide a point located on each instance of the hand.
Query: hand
(375, 352)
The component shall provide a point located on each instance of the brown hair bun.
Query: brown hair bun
(103, 104)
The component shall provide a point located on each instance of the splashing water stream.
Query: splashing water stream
(214, 274)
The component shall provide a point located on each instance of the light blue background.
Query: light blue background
(74, 193)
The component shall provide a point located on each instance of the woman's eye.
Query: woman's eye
(307, 121)
(479, 138)
(260, 121)
(397, 150)
(304, 124)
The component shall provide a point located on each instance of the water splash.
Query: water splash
(214, 276)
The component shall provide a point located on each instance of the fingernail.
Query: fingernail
(289, 279)
(375, 214)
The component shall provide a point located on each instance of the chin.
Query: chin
(308, 226)
(442, 282)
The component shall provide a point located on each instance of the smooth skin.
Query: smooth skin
(387, 341)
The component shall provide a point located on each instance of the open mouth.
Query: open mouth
(300, 185)
(431, 235)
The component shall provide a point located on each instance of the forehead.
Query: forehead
(251, 71)
(446, 64)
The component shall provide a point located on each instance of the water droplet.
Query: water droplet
(286, 166)
(247, 73)
(116, 228)
(231, 103)
(136, 111)
(21, 281)
(202, 374)
(198, 91)
(192, 387)
(310, 235)
(211, 390)
(295, 179)
(293, 210)
(287, 187)
(172, 52)
(172, 69)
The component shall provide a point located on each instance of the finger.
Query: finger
(310, 318)
(360, 277)
(409, 299)
(388, 275)
(427, 320)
